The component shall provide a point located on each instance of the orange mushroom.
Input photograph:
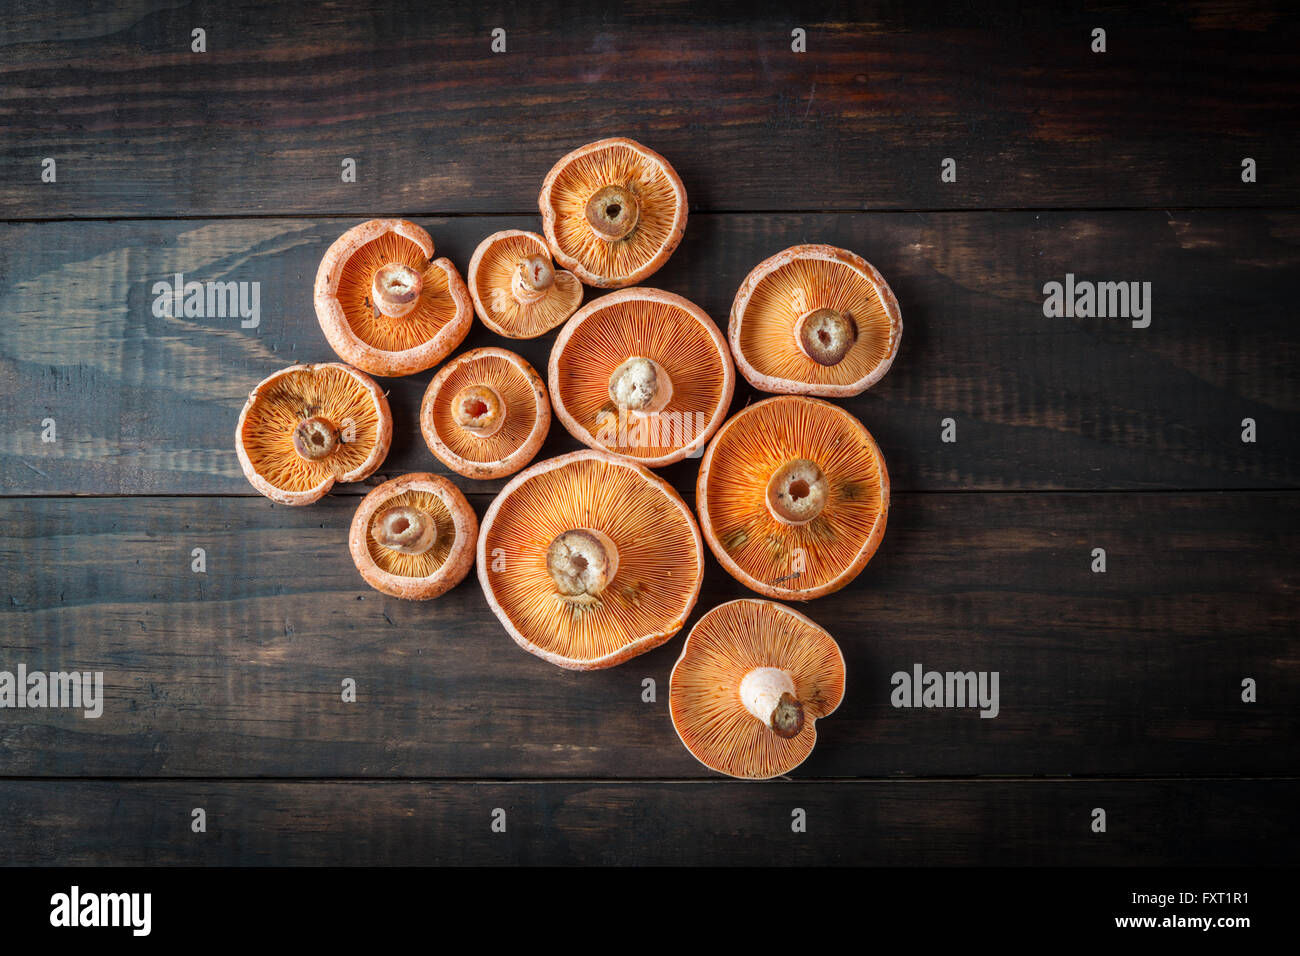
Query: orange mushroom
(516, 288)
(589, 560)
(753, 679)
(641, 373)
(485, 413)
(413, 537)
(793, 495)
(385, 304)
(815, 320)
(307, 426)
(613, 212)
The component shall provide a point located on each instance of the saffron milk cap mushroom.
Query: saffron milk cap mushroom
(641, 373)
(413, 537)
(589, 559)
(485, 413)
(793, 496)
(306, 427)
(752, 681)
(516, 288)
(815, 320)
(385, 304)
(613, 212)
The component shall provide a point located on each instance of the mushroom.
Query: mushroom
(815, 320)
(385, 304)
(516, 288)
(613, 212)
(307, 426)
(589, 560)
(485, 413)
(413, 537)
(641, 373)
(752, 681)
(793, 495)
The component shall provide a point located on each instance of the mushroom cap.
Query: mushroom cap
(264, 435)
(672, 331)
(374, 342)
(490, 279)
(416, 577)
(704, 689)
(798, 281)
(660, 196)
(660, 562)
(795, 562)
(528, 414)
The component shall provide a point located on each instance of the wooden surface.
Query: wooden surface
(1119, 691)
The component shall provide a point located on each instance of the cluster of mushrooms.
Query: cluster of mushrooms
(589, 559)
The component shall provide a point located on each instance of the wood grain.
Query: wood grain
(881, 823)
(147, 405)
(238, 671)
(260, 123)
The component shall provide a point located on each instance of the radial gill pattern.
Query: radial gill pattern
(493, 280)
(704, 694)
(515, 389)
(437, 307)
(414, 565)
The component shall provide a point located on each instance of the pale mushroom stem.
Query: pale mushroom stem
(582, 562)
(640, 385)
(612, 212)
(796, 492)
(825, 335)
(315, 438)
(532, 279)
(480, 410)
(396, 289)
(769, 694)
(405, 530)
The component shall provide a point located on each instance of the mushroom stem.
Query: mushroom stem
(315, 438)
(796, 492)
(479, 409)
(396, 289)
(768, 694)
(640, 385)
(582, 562)
(532, 279)
(405, 529)
(612, 213)
(825, 335)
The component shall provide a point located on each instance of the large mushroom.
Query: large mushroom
(815, 320)
(641, 373)
(516, 288)
(413, 537)
(753, 679)
(385, 304)
(589, 560)
(485, 413)
(306, 427)
(613, 212)
(793, 495)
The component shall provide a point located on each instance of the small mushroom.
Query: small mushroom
(815, 320)
(793, 496)
(485, 413)
(589, 560)
(641, 373)
(752, 681)
(385, 304)
(516, 288)
(413, 537)
(307, 426)
(613, 212)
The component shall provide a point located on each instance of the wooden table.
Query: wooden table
(1120, 690)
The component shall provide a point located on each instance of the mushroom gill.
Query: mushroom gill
(517, 290)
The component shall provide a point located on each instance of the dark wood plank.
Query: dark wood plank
(148, 405)
(140, 125)
(238, 671)
(883, 823)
